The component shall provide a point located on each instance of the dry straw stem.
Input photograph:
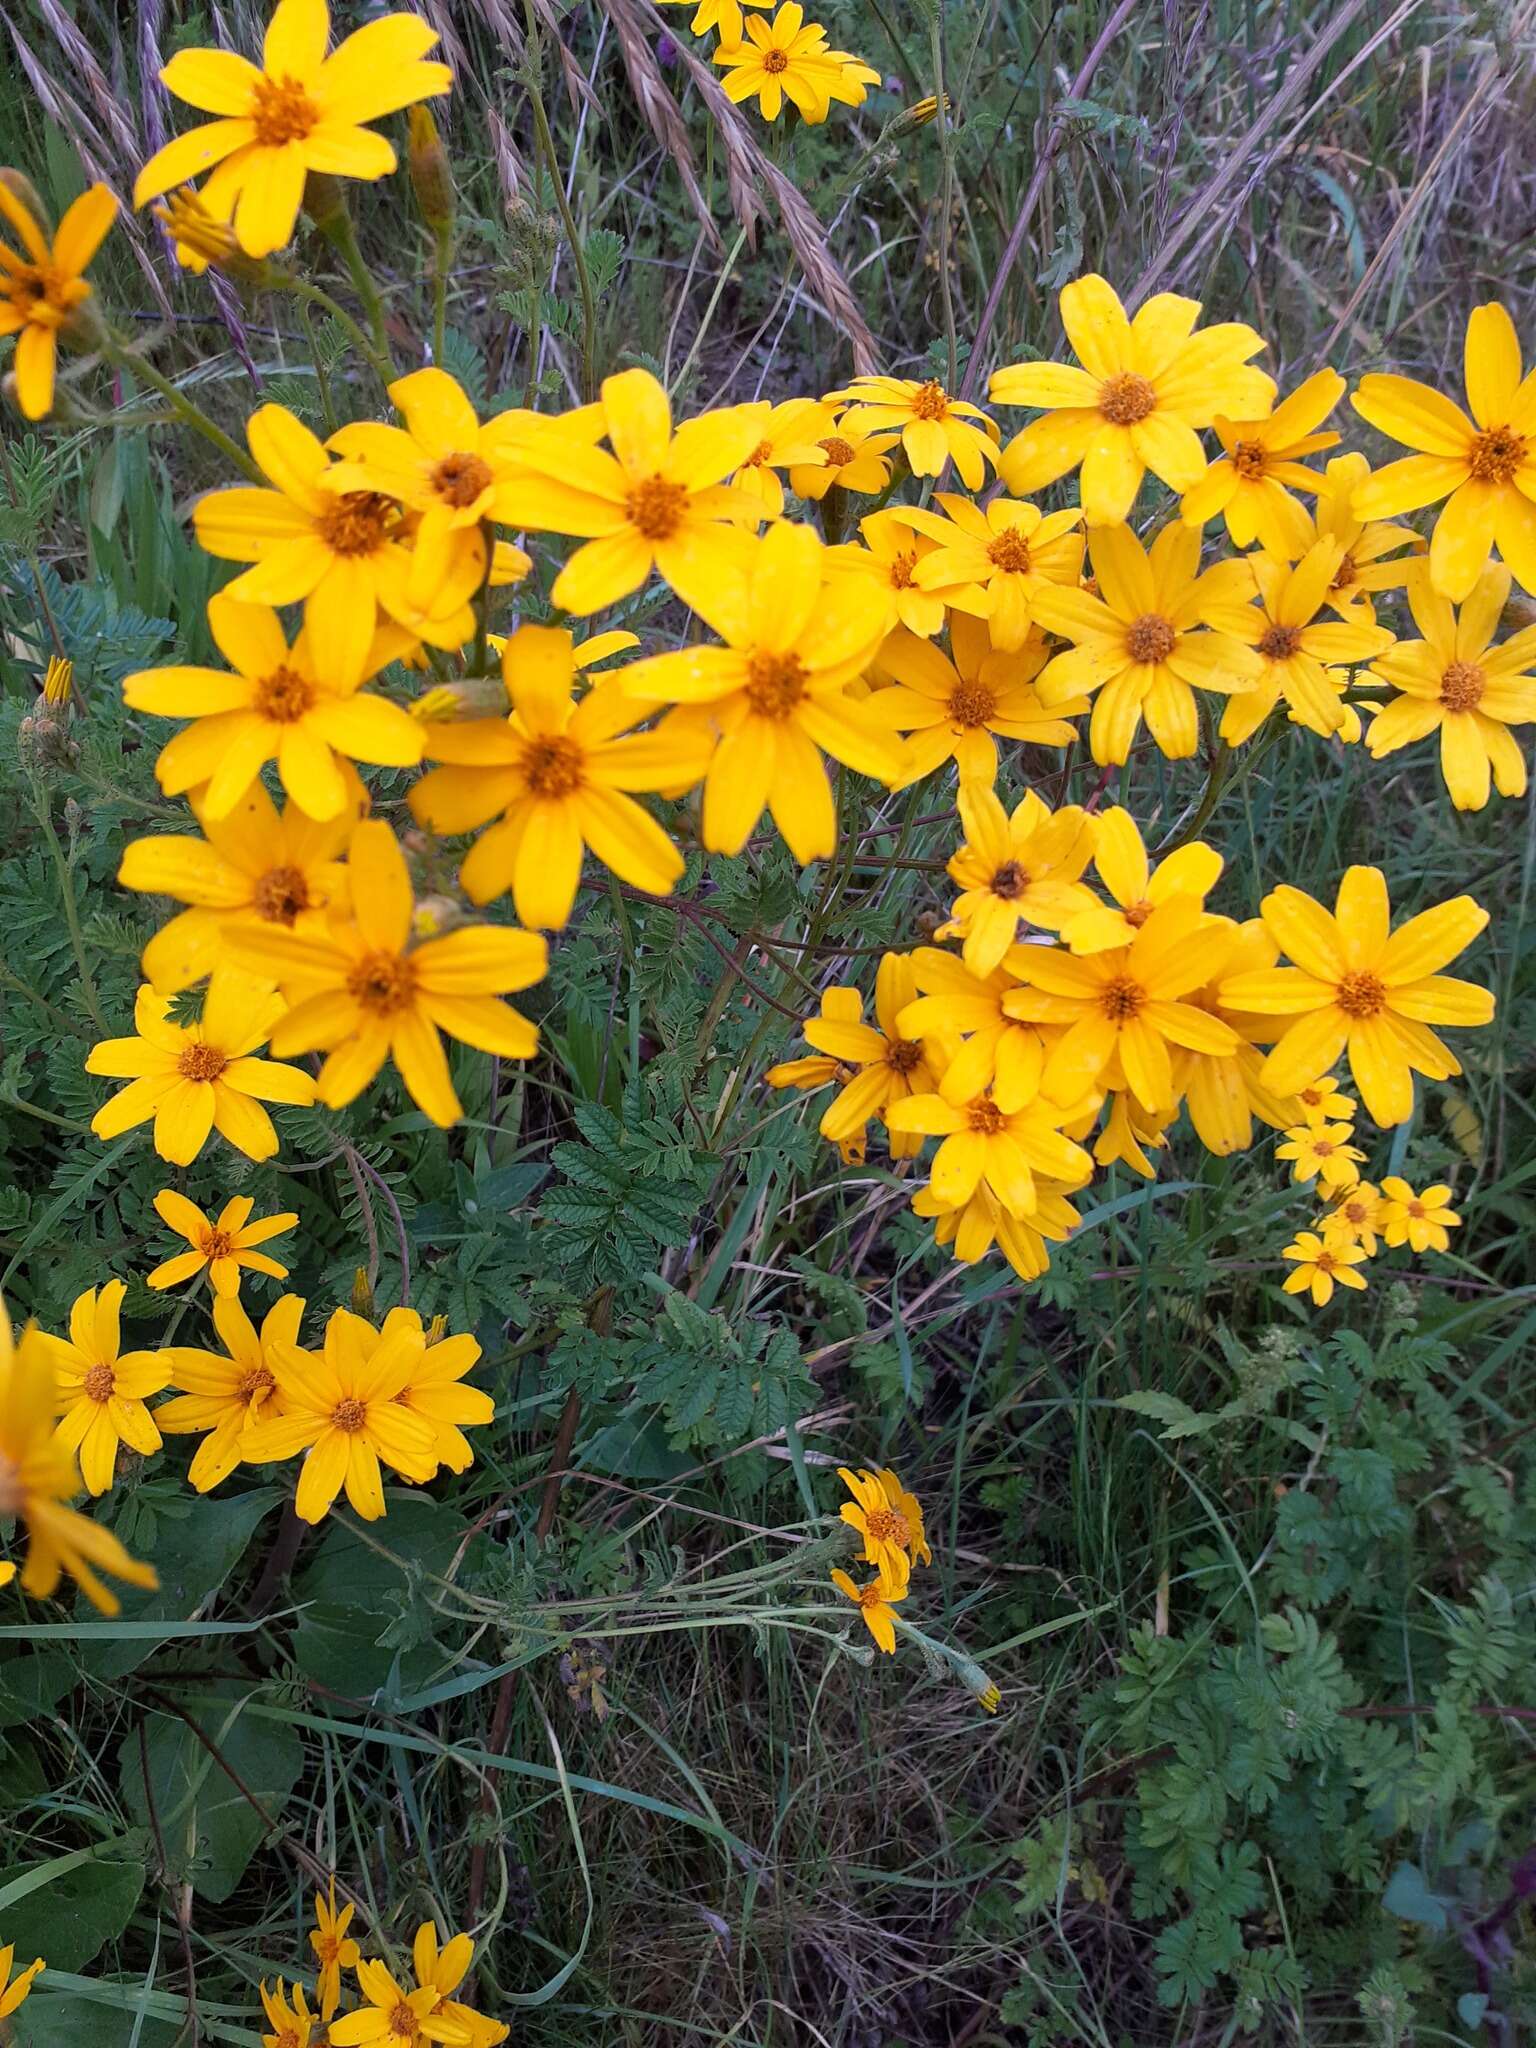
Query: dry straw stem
(661, 112)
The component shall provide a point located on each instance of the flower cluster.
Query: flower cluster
(889, 1521)
(779, 61)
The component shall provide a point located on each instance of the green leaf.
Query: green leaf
(351, 1596)
(194, 1554)
(71, 1915)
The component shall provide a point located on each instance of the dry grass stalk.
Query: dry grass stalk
(658, 108)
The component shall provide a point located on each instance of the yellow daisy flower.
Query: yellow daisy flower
(1222, 1090)
(443, 1970)
(1298, 651)
(999, 1056)
(1322, 1152)
(101, 1390)
(436, 1390)
(1483, 467)
(1372, 561)
(197, 1078)
(884, 1067)
(990, 560)
(394, 2016)
(986, 1144)
(558, 773)
(792, 438)
(1125, 868)
(14, 1990)
(1356, 1217)
(280, 705)
(957, 707)
(777, 692)
(656, 502)
(1144, 387)
(892, 548)
(1422, 1222)
(341, 553)
(1126, 1003)
(335, 1950)
(339, 1409)
(1142, 643)
(875, 1601)
(935, 429)
(879, 1511)
(220, 1249)
(364, 994)
(723, 16)
(786, 58)
(257, 865)
(1014, 868)
(1024, 1241)
(42, 288)
(300, 111)
(1318, 1267)
(38, 1479)
(850, 462)
(1320, 1102)
(443, 463)
(1360, 986)
(1455, 681)
(288, 2015)
(226, 1395)
(1252, 482)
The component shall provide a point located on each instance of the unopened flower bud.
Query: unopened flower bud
(362, 1294)
(325, 202)
(918, 115)
(433, 916)
(58, 682)
(21, 187)
(431, 172)
(437, 1330)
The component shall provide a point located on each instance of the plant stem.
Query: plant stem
(342, 236)
(71, 908)
(567, 217)
(946, 190)
(125, 357)
(442, 256)
(316, 295)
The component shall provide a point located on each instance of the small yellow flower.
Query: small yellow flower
(43, 290)
(1358, 984)
(560, 775)
(101, 1389)
(1455, 681)
(849, 462)
(981, 1222)
(227, 1394)
(58, 681)
(288, 2015)
(984, 1144)
(197, 1078)
(334, 1948)
(1423, 1222)
(1301, 656)
(436, 1390)
(1483, 467)
(300, 111)
(1125, 868)
(443, 1969)
(395, 2016)
(1321, 1101)
(999, 1055)
(220, 1249)
(935, 429)
(786, 58)
(339, 1408)
(1372, 560)
(957, 707)
(875, 1602)
(1252, 482)
(1014, 867)
(878, 1066)
(1322, 1152)
(891, 549)
(38, 1479)
(1317, 1268)
(882, 1511)
(362, 993)
(991, 560)
(14, 1990)
(1145, 385)
(1356, 1217)
(794, 437)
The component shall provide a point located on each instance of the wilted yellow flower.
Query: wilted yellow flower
(875, 1601)
(299, 112)
(43, 289)
(1356, 1216)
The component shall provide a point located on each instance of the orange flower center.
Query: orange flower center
(1126, 398)
(1462, 686)
(1010, 881)
(256, 1384)
(900, 570)
(43, 295)
(1150, 638)
(1324, 1147)
(656, 506)
(971, 704)
(1122, 999)
(872, 1595)
(903, 1054)
(930, 401)
(1345, 575)
(99, 1384)
(759, 455)
(280, 894)
(1362, 995)
(460, 478)
(1325, 1262)
(383, 983)
(888, 1525)
(1357, 1212)
(775, 684)
(1279, 643)
(282, 110)
(1136, 914)
(1248, 459)
(200, 1062)
(985, 1117)
(1009, 551)
(1496, 454)
(553, 767)
(350, 1415)
(357, 524)
(839, 452)
(284, 696)
(217, 1244)
(327, 1947)
(1416, 1209)
(775, 61)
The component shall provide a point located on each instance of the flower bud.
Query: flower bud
(431, 172)
(201, 238)
(58, 682)
(918, 115)
(21, 187)
(362, 1294)
(325, 202)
